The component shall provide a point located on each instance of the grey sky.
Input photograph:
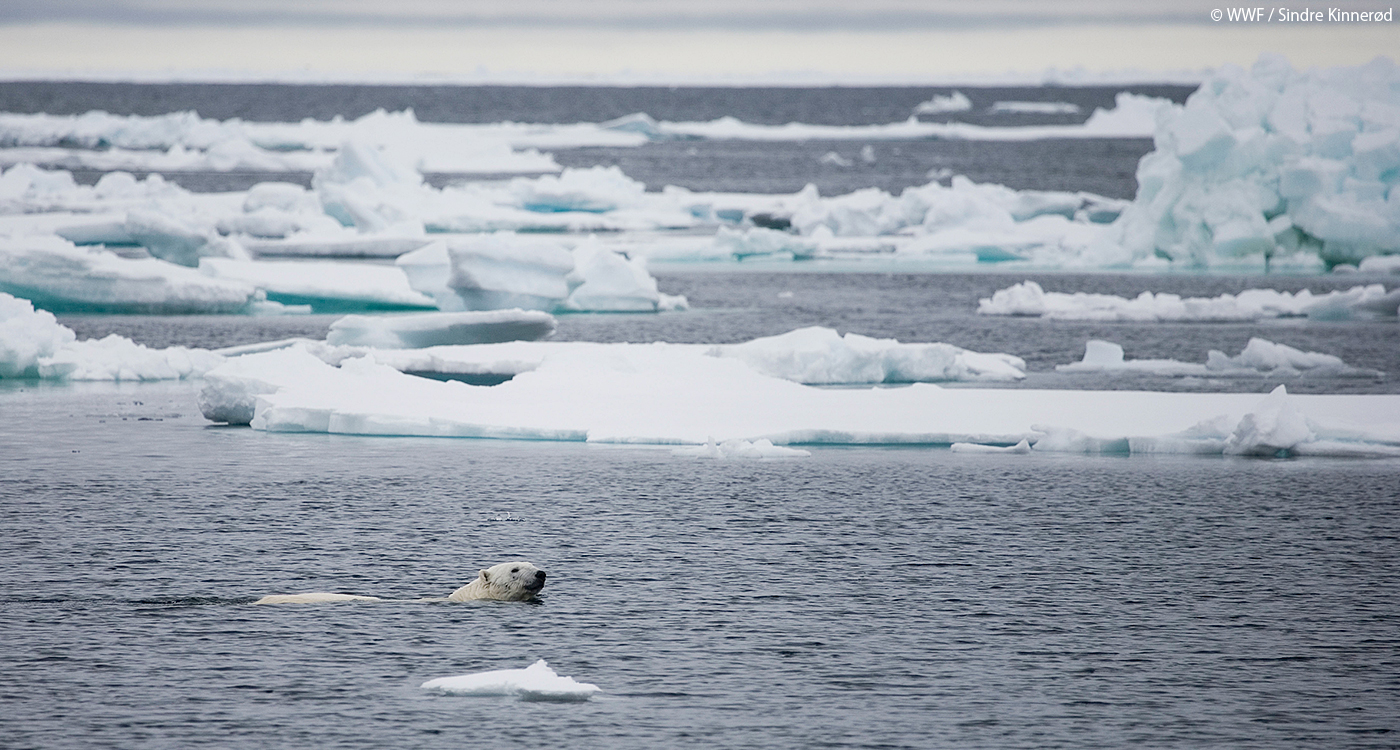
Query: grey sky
(810, 14)
(897, 41)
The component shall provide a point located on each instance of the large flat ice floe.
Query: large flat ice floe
(537, 682)
(1029, 299)
(655, 394)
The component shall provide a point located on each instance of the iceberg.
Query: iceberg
(1029, 299)
(1272, 166)
(33, 344)
(61, 277)
(536, 682)
(440, 329)
(1260, 357)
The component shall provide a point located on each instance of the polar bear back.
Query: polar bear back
(510, 581)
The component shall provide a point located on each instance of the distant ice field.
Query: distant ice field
(737, 305)
(562, 104)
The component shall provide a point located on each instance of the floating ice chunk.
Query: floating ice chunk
(504, 270)
(61, 277)
(613, 283)
(229, 392)
(595, 190)
(499, 271)
(1274, 427)
(119, 358)
(1034, 108)
(1380, 264)
(536, 682)
(167, 238)
(34, 345)
(325, 285)
(28, 336)
(440, 329)
(761, 449)
(941, 103)
(739, 244)
(1020, 448)
(818, 355)
(1259, 358)
(1028, 298)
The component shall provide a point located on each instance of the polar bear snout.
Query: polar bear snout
(537, 583)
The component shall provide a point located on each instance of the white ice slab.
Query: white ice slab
(536, 682)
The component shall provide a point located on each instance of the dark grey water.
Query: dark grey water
(858, 598)
(737, 305)
(830, 105)
(1102, 166)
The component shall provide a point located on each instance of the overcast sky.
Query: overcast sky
(652, 40)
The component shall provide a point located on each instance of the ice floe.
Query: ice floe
(941, 103)
(537, 682)
(505, 270)
(660, 394)
(1029, 299)
(34, 345)
(59, 276)
(326, 286)
(424, 330)
(1260, 358)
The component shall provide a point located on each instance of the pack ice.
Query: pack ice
(1273, 164)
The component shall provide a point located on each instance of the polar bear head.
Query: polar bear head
(512, 581)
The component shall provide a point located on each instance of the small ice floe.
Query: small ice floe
(1029, 299)
(536, 682)
(417, 331)
(941, 103)
(1034, 108)
(1022, 447)
(761, 448)
(1260, 358)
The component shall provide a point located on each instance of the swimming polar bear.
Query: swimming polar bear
(510, 582)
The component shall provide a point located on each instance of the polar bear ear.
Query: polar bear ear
(485, 575)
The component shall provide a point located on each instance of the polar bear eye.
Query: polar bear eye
(515, 570)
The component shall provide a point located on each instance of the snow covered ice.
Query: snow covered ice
(663, 394)
(1029, 299)
(537, 682)
(1260, 358)
(34, 345)
(440, 329)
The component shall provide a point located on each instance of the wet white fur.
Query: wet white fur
(509, 581)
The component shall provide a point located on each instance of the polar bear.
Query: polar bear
(509, 581)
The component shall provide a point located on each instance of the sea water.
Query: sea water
(859, 597)
(862, 598)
